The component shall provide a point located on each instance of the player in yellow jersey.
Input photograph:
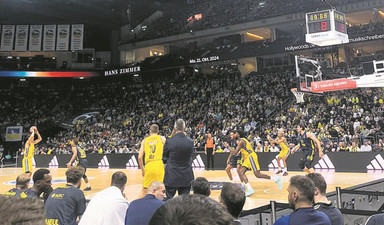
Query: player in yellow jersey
(29, 150)
(250, 161)
(152, 149)
(284, 152)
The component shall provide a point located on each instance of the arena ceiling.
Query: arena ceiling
(104, 14)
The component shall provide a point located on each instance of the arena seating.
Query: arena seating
(210, 103)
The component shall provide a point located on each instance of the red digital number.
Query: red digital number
(324, 26)
(342, 27)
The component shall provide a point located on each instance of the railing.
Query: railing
(273, 208)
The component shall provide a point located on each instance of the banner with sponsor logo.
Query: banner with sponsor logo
(49, 41)
(35, 36)
(333, 85)
(21, 38)
(62, 37)
(77, 36)
(14, 133)
(7, 38)
(128, 70)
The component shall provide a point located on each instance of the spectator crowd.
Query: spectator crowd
(349, 120)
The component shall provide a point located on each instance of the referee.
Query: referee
(210, 151)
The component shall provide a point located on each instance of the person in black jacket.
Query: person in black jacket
(178, 171)
(321, 202)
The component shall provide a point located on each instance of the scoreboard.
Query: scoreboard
(326, 27)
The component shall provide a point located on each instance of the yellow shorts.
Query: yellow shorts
(251, 162)
(27, 165)
(154, 171)
(283, 153)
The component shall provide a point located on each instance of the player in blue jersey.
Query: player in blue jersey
(81, 160)
(307, 144)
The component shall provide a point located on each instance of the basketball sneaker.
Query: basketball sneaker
(249, 192)
(285, 173)
(279, 183)
(280, 171)
(87, 189)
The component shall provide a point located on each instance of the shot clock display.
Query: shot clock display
(326, 27)
(319, 22)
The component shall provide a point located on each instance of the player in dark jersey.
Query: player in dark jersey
(321, 202)
(233, 160)
(41, 184)
(66, 202)
(307, 143)
(81, 160)
(22, 182)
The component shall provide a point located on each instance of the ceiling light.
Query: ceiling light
(254, 36)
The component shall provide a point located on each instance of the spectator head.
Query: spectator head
(233, 198)
(74, 175)
(201, 186)
(119, 179)
(300, 191)
(22, 181)
(180, 125)
(21, 211)
(157, 189)
(366, 142)
(320, 185)
(42, 180)
(209, 135)
(154, 129)
(191, 209)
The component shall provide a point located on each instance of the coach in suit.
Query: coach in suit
(178, 172)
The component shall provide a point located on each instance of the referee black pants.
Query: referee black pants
(210, 159)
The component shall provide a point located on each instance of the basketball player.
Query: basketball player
(29, 150)
(307, 144)
(250, 161)
(233, 160)
(284, 152)
(152, 148)
(81, 160)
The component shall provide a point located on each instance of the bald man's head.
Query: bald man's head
(22, 181)
(157, 189)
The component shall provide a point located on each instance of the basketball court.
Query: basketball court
(265, 191)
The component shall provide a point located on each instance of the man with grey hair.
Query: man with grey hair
(141, 210)
(178, 151)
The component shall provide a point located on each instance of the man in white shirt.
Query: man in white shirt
(109, 206)
(273, 148)
(366, 147)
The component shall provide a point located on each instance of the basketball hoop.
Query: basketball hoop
(299, 95)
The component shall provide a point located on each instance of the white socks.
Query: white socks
(88, 185)
(248, 185)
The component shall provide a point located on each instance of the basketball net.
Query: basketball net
(299, 95)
